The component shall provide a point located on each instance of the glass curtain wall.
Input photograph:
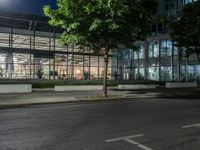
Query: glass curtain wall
(22, 68)
(193, 68)
(126, 64)
(130, 64)
(25, 56)
(61, 66)
(175, 63)
(183, 66)
(138, 63)
(114, 65)
(141, 62)
(166, 60)
(4, 40)
(153, 60)
(6, 65)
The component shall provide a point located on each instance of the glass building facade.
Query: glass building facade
(158, 59)
(30, 49)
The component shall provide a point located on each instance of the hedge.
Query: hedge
(52, 83)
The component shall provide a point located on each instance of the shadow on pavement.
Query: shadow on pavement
(184, 93)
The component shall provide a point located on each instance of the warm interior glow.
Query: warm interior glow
(78, 71)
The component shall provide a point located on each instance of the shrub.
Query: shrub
(52, 83)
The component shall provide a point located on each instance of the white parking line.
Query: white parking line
(192, 125)
(129, 140)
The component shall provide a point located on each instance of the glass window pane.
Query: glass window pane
(61, 66)
(42, 43)
(141, 51)
(21, 66)
(166, 48)
(59, 46)
(153, 73)
(4, 40)
(21, 41)
(6, 65)
(94, 61)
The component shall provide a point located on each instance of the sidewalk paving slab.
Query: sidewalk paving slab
(47, 96)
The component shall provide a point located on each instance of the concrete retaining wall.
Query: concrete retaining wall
(15, 88)
(181, 84)
(78, 88)
(137, 86)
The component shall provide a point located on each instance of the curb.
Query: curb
(90, 99)
(117, 99)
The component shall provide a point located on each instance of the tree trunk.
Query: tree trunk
(105, 72)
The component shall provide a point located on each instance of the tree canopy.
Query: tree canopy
(95, 23)
(102, 25)
(186, 29)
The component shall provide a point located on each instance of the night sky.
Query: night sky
(26, 6)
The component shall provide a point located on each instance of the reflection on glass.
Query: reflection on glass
(43, 68)
(61, 66)
(78, 67)
(187, 1)
(94, 73)
(153, 49)
(166, 47)
(141, 74)
(141, 51)
(153, 73)
(59, 46)
(194, 72)
(6, 65)
(4, 40)
(166, 74)
(21, 41)
(42, 43)
(136, 55)
(21, 66)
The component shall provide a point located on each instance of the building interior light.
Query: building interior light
(78, 71)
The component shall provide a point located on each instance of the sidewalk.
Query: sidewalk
(48, 96)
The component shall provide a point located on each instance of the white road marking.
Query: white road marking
(137, 144)
(192, 125)
(129, 140)
(122, 138)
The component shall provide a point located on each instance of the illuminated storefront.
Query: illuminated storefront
(30, 49)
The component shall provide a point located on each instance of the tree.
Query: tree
(101, 25)
(186, 29)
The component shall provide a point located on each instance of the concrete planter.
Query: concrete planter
(15, 88)
(181, 84)
(137, 86)
(78, 88)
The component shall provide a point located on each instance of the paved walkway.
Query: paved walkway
(49, 96)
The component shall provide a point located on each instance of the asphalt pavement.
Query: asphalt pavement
(153, 124)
